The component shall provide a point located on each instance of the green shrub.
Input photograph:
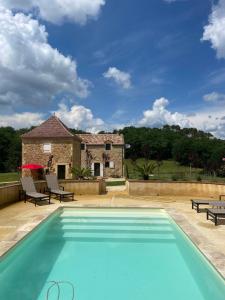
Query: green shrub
(145, 169)
(199, 178)
(81, 173)
(174, 177)
(127, 171)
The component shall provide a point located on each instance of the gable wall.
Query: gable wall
(64, 151)
(76, 153)
(115, 155)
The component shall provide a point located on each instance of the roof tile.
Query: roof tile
(51, 128)
(100, 139)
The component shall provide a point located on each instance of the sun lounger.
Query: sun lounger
(197, 202)
(30, 191)
(215, 214)
(55, 189)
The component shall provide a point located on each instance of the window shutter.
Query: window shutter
(101, 170)
(111, 165)
(47, 148)
(93, 169)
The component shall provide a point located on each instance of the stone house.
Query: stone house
(103, 153)
(53, 145)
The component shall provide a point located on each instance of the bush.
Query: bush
(199, 178)
(81, 173)
(178, 176)
(146, 169)
(174, 177)
(221, 171)
(127, 175)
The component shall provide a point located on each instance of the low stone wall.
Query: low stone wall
(192, 189)
(84, 187)
(11, 193)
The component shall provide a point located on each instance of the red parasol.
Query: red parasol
(32, 167)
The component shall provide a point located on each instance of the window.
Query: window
(107, 164)
(47, 148)
(82, 146)
(107, 146)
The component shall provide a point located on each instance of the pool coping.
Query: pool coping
(23, 232)
(207, 249)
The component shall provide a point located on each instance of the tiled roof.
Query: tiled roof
(100, 139)
(51, 128)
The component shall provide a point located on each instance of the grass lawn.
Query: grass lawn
(115, 183)
(170, 170)
(6, 177)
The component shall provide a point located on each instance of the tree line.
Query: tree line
(187, 146)
(184, 145)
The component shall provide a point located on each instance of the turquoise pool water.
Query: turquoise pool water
(109, 254)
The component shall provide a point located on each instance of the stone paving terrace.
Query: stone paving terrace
(20, 218)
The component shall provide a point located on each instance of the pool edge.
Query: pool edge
(203, 245)
(188, 229)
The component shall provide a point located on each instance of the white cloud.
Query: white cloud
(80, 117)
(21, 120)
(215, 30)
(159, 116)
(211, 119)
(76, 116)
(217, 77)
(118, 114)
(121, 78)
(214, 97)
(57, 11)
(31, 71)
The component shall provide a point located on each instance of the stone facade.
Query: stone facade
(65, 152)
(111, 161)
(53, 146)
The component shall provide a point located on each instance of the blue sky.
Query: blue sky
(104, 64)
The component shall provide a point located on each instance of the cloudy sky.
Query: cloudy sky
(104, 64)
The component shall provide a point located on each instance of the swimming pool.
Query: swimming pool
(120, 254)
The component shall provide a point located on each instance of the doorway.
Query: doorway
(97, 169)
(61, 171)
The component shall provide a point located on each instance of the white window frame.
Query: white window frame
(47, 148)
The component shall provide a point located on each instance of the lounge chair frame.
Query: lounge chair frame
(195, 204)
(42, 198)
(30, 192)
(55, 189)
(215, 214)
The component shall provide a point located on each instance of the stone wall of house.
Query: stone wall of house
(63, 151)
(115, 155)
(76, 153)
